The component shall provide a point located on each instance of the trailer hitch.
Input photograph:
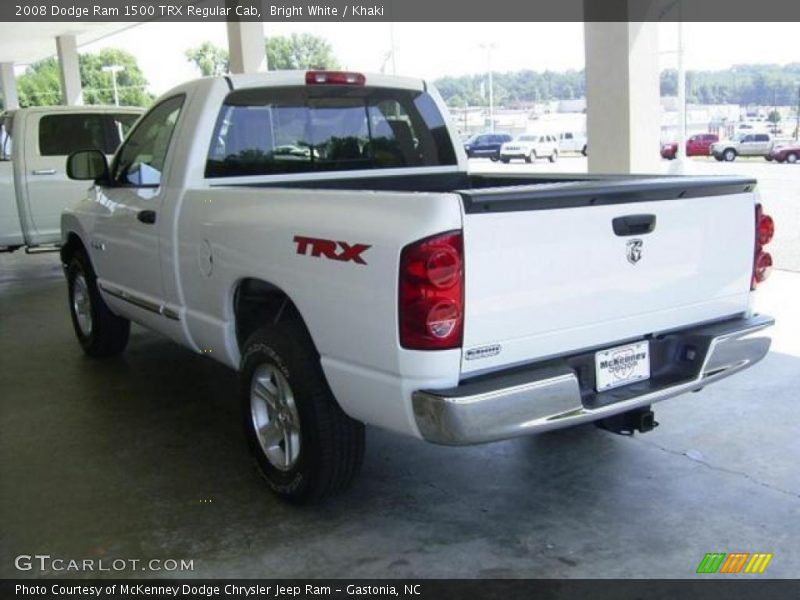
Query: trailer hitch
(627, 423)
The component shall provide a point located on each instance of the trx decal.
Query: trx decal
(331, 249)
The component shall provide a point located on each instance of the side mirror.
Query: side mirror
(87, 165)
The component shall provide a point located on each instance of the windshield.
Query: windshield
(270, 131)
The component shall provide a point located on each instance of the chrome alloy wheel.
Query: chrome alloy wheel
(275, 418)
(82, 305)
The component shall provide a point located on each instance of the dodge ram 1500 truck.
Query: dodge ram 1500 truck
(319, 232)
(34, 144)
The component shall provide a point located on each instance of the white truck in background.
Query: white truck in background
(320, 233)
(34, 145)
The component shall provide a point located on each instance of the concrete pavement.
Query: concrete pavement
(142, 457)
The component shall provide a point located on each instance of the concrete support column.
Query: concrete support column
(71, 90)
(623, 99)
(8, 85)
(246, 47)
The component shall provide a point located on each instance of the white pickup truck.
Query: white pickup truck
(34, 145)
(320, 233)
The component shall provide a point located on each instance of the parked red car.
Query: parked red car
(697, 145)
(789, 153)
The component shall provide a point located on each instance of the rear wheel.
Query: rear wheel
(729, 155)
(305, 446)
(531, 157)
(100, 332)
(504, 160)
(792, 158)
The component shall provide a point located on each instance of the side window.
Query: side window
(141, 160)
(567, 136)
(63, 134)
(747, 138)
(762, 137)
(5, 137)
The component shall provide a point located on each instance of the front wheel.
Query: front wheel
(100, 332)
(792, 158)
(305, 446)
(504, 160)
(531, 157)
(553, 157)
(729, 155)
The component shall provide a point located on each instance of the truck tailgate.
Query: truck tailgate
(547, 274)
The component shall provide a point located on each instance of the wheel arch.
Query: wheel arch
(256, 301)
(72, 244)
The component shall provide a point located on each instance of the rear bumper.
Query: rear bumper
(559, 393)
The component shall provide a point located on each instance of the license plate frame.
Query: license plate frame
(622, 365)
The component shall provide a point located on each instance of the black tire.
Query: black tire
(331, 444)
(718, 157)
(584, 151)
(493, 158)
(792, 158)
(504, 160)
(729, 155)
(531, 157)
(107, 334)
(553, 157)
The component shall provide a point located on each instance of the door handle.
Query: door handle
(43, 172)
(634, 225)
(146, 216)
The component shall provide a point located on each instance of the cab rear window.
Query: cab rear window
(270, 131)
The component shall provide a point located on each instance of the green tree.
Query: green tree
(97, 84)
(40, 85)
(210, 59)
(299, 51)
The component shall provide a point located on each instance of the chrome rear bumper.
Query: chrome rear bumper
(552, 396)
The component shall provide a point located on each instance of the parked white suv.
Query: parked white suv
(530, 146)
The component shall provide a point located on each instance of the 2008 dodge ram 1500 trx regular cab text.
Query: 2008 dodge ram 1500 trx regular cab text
(320, 233)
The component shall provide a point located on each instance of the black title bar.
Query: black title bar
(401, 10)
(421, 589)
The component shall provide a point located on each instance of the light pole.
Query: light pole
(489, 47)
(114, 69)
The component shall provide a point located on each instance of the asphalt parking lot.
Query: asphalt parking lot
(142, 457)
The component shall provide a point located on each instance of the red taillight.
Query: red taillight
(334, 78)
(431, 296)
(762, 261)
(763, 267)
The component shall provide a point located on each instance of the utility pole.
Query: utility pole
(394, 50)
(489, 47)
(797, 126)
(681, 152)
(114, 69)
